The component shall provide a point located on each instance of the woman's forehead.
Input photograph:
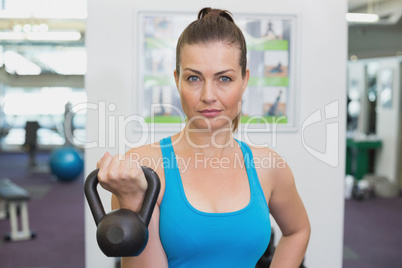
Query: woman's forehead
(214, 53)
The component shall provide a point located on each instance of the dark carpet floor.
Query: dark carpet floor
(56, 214)
(373, 228)
(373, 233)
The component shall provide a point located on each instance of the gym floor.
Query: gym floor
(372, 233)
(373, 236)
(56, 215)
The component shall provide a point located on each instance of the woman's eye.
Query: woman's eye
(192, 78)
(225, 79)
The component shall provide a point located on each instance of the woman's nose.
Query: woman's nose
(208, 94)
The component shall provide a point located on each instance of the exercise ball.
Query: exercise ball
(66, 163)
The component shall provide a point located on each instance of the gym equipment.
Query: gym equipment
(31, 146)
(68, 125)
(266, 258)
(362, 190)
(122, 232)
(349, 183)
(381, 186)
(66, 163)
(31, 141)
(15, 198)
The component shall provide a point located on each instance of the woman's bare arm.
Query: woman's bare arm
(288, 211)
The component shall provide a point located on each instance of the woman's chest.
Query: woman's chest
(215, 186)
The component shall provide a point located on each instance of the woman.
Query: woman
(216, 195)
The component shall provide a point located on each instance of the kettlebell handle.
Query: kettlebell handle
(147, 208)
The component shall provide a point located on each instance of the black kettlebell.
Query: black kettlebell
(122, 232)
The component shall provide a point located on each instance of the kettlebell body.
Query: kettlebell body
(122, 232)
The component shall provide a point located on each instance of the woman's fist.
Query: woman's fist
(123, 177)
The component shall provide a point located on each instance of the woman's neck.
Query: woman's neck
(211, 143)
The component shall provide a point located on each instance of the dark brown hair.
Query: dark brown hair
(214, 25)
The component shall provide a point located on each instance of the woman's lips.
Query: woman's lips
(210, 112)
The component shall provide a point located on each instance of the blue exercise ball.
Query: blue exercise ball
(66, 163)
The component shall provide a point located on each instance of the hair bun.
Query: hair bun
(207, 11)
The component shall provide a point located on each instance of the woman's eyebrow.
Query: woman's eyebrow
(192, 70)
(216, 74)
(223, 72)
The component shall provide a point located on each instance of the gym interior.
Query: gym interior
(77, 77)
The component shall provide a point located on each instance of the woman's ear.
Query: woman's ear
(246, 78)
(176, 78)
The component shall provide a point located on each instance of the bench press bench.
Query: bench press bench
(14, 197)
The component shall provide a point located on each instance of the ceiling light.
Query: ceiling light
(43, 27)
(17, 28)
(40, 36)
(26, 28)
(21, 14)
(12, 36)
(362, 17)
(53, 36)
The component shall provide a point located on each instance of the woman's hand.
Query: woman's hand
(124, 178)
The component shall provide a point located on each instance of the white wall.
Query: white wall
(322, 50)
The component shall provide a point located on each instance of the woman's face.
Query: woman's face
(210, 84)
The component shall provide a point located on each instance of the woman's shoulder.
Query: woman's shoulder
(267, 159)
(262, 151)
(272, 169)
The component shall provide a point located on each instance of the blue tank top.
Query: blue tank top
(192, 238)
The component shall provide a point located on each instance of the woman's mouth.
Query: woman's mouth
(210, 112)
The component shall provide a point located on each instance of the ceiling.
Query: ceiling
(38, 21)
(361, 36)
(390, 11)
(380, 39)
